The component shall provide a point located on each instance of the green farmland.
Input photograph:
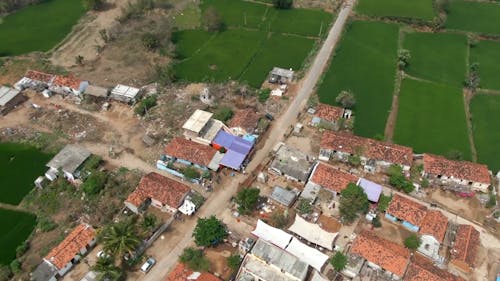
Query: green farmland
(431, 118)
(487, 54)
(365, 63)
(437, 57)
(414, 9)
(485, 110)
(475, 16)
(20, 165)
(39, 27)
(14, 229)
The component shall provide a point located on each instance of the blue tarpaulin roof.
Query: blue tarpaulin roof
(237, 149)
(233, 159)
(371, 189)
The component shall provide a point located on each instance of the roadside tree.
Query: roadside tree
(209, 232)
(247, 199)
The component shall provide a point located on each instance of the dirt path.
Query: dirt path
(13, 208)
(393, 115)
(467, 94)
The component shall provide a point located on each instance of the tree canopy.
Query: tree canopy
(194, 259)
(247, 199)
(338, 261)
(353, 201)
(120, 238)
(209, 231)
(346, 99)
(412, 242)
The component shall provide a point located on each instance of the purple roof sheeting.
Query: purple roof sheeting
(371, 189)
(223, 139)
(233, 159)
(237, 149)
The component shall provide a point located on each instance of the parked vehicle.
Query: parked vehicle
(102, 255)
(150, 262)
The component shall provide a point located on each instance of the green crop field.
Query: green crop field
(416, 9)
(437, 57)
(188, 42)
(14, 230)
(476, 16)
(365, 63)
(39, 27)
(20, 165)
(431, 118)
(302, 22)
(485, 110)
(487, 54)
(238, 13)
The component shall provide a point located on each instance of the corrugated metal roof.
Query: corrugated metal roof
(7, 94)
(197, 121)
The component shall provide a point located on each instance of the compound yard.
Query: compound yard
(257, 38)
(14, 229)
(476, 16)
(415, 9)
(39, 27)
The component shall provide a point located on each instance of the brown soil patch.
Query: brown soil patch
(218, 260)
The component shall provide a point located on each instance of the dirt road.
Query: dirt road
(167, 256)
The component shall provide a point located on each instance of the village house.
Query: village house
(284, 196)
(375, 155)
(9, 99)
(280, 75)
(410, 213)
(327, 116)
(291, 163)
(202, 128)
(236, 150)
(422, 269)
(65, 85)
(190, 153)
(35, 80)
(62, 258)
(432, 231)
(329, 178)
(465, 247)
(182, 273)
(381, 254)
(474, 176)
(244, 122)
(313, 233)
(69, 160)
(125, 94)
(159, 191)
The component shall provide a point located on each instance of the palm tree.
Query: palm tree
(107, 270)
(120, 238)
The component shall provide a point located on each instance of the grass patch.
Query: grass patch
(431, 118)
(15, 228)
(487, 53)
(437, 57)
(486, 130)
(414, 9)
(482, 17)
(365, 63)
(20, 165)
(189, 18)
(39, 27)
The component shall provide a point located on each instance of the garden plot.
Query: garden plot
(14, 229)
(487, 54)
(477, 16)
(415, 9)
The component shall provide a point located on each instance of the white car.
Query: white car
(102, 255)
(148, 265)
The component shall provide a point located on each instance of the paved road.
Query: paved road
(217, 202)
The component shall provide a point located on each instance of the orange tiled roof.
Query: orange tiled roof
(67, 81)
(438, 165)
(387, 254)
(78, 239)
(466, 245)
(181, 273)
(372, 149)
(422, 269)
(155, 186)
(191, 151)
(39, 76)
(407, 209)
(332, 178)
(328, 112)
(246, 119)
(435, 224)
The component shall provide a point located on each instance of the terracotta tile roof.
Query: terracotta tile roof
(422, 269)
(332, 178)
(155, 186)
(39, 76)
(67, 81)
(407, 209)
(78, 239)
(329, 113)
(387, 254)
(372, 149)
(246, 119)
(435, 224)
(182, 273)
(191, 151)
(438, 165)
(466, 245)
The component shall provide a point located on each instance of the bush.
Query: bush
(354, 160)
(247, 199)
(93, 4)
(45, 224)
(412, 242)
(279, 219)
(223, 114)
(23, 248)
(194, 259)
(304, 206)
(191, 173)
(492, 201)
(145, 104)
(94, 183)
(264, 95)
(92, 163)
(283, 4)
(383, 202)
(15, 266)
(150, 41)
(401, 183)
(234, 261)
(376, 222)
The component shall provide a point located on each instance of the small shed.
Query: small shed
(96, 91)
(280, 75)
(9, 99)
(125, 93)
(284, 196)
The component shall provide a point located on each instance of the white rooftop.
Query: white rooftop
(273, 235)
(197, 121)
(127, 91)
(309, 255)
(313, 233)
(7, 94)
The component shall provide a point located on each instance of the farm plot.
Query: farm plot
(188, 42)
(477, 16)
(14, 229)
(236, 13)
(415, 9)
(38, 27)
(365, 63)
(437, 57)
(485, 110)
(302, 22)
(431, 118)
(487, 53)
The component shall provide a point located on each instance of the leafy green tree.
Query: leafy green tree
(223, 114)
(412, 242)
(15, 266)
(194, 259)
(401, 182)
(213, 20)
(120, 238)
(145, 105)
(94, 183)
(338, 261)
(234, 261)
(93, 4)
(404, 57)
(209, 232)
(107, 270)
(304, 206)
(283, 4)
(383, 202)
(149, 221)
(247, 199)
(353, 200)
(346, 99)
